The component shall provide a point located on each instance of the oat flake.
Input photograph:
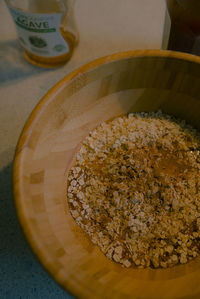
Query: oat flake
(134, 189)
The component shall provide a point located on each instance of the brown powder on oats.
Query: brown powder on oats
(134, 189)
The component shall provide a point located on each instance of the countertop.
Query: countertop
(105, 27)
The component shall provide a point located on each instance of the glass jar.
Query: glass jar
(46, 30)
(185, 25)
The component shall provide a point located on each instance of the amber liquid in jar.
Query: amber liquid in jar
(185, 26)
(57, 60)
(36, 20)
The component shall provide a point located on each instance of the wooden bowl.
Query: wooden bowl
(103, 89)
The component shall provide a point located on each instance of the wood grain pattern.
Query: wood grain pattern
(103, 89)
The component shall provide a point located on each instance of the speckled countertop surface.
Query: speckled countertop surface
(105, 27)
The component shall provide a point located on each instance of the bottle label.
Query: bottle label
(40, 34)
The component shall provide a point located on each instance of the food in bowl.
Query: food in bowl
(134, 189)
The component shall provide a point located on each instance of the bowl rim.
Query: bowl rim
(32, 118)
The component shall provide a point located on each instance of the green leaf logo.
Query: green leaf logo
(59, 48)
(37, 41)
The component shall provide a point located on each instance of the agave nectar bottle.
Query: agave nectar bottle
(46, 30)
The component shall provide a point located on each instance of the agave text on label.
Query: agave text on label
(23, 20)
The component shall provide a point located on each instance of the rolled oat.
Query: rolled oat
(134, 188)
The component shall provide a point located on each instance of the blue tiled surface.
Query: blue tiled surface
(21, 275)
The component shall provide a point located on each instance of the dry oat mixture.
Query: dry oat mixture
(134, 189)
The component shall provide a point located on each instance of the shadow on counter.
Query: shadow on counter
(13, 65)
(21, 274)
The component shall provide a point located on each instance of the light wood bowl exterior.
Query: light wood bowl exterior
(103, 89)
